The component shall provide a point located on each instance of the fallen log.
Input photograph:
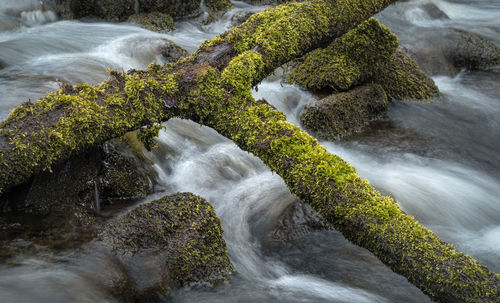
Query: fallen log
(213, 87)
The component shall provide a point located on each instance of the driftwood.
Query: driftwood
(212, 87)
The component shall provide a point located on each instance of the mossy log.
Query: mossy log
(213, 87)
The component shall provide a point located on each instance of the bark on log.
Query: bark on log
(213, 87)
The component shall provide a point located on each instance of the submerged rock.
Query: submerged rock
(402, 79)
(157, 22)
(447, 51)
(347, 61)
(342, 113)
(434, 12)
(167, 243)
(296, 221)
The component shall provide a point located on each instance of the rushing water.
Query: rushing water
(441, 161)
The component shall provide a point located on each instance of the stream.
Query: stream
(440, 161)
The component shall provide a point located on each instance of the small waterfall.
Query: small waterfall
(97, 201)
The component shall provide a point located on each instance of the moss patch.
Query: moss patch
(156, 22)
(402, 79)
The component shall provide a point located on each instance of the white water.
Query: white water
(440, 161)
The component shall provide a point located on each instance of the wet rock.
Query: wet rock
(402, 79)
(266, 2)
(171, 52)
(447, 51)
(471, 51)
(434, 12)
(348, 61)
(157, 22)
(218, 7)
(240, 17)
(62, 206)
(168, 243)
(121, 10)
(343, 113)
(296, 221)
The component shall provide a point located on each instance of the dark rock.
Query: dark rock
(61, 207)
(447, 51)
(157, 22)
(168, 243)
(296, 221)
(121, 10)
(240, 17)
(342, 113)
(218, 7)
(171, 52)
(402, 79)
(433, 11)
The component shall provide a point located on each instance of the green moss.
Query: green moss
(218, 6)
(157, 22)
(341, 113)
(402, 79)
(183, 226)
(348, 60)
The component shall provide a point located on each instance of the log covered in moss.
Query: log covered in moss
(213, 87)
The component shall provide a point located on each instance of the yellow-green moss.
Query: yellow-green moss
(219, 6)
(348, 60)
(402, 79)
(157, 22)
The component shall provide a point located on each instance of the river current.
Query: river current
(440, 161)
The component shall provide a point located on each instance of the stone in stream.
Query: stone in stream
(59, 208)
(447, 51)
(342, 113)
(402, 79)
(155, 21)
(171, 242)
(296, 221)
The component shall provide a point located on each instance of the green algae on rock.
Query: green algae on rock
(177, 239)
(156, 22)
(402, 79)
(342, 113)
(347, 61)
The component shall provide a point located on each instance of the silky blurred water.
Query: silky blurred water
(441, 161)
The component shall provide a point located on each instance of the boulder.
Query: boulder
(402, 79)
(447, 51)
(59, 207)
(157, 22)
(168, 243)
(218, 7)
(296, 221)
(342, 113)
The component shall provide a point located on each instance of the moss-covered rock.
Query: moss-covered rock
(61, 207)
(348, 60)
(121, 10)
(157, 22)
(402, 79)
(342, 113)
(218, 6)
(177, 240)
